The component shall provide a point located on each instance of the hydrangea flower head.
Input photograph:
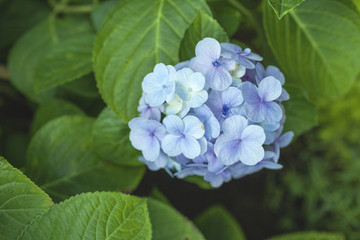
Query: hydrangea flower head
(218, 115)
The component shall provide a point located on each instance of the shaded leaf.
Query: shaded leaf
(282, 7)
(317, 46)
(61, 160)
(309, 236)
(111, 140)
(228, 17)
(134, 37)
(217, 223)
(99, 12)
(17, 16)
(20, 201)
(64, 62)
(98, 215)
(301, 115)
(202, 26)
(27, 52)
(167, 223)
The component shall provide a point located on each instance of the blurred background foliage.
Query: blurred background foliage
(318, 188)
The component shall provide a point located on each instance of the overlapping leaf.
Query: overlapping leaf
(20, 201)
(317, 46)
(282, 7)
(111, 140)
(167, 223)
(61, 160)
(202, 26)
(98, 215)
(134, 37)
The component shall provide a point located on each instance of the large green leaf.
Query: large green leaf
(17, 16)
(52, 109)
(202, 26)
(98, 215)
(64, 62)
(228, 17)
(217, 223)
(282, 7)
(99, 12)
(20, 201)
(167, 223)
(317, 46)
(61, 160)
(27, 52)
(111, 140)
(135, 36)
(309, 236)
(301, 115)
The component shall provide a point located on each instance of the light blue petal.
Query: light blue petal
(161, 73)
(227, 150)
(272, 112)
(269, 89)
(203, 112)
(182, 65)
(276, 73)
(250, 93)
(253, 112)
(253, 135)
(284, 96)
(228, 64)
(197, 99)
(190, 147)
(260, 72)
(251, 154)
(209, 48)
(232, 97)
(196, 82)
(203, 145)
(150, 148)
(155, 98)
(201, 64)
(174, 125)
(285, 139)
(218, 78)
(171, 145)
(212, 128)
(234, 126)
(193, 127)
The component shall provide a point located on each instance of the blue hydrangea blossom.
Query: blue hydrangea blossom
(218, 115)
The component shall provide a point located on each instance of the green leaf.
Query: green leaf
(167, 223)
(20, 201)
(64, 62)
(83, 87)
(27, 52)
(357, 4)
(158, 195)
(228, 17)
(100, 12)
(111, 140)
(317, 46)
(199, 181)
(301, 115)
(282, 7)
(52, 109)
(202, 26)
(309, 236)
(17, 16)
(134, 37)
(217, 223)
(61, 160)
(98, 215)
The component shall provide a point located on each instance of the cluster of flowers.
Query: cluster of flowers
(222, 115)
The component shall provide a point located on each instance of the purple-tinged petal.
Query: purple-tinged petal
(193, 127)
(182, 65)
(228, 50)
(157, 164)
(269, 89)
(171, 145)
(201, 64)
(218, 78)
(251, 154)
(276, 73)
(253, 135)
(227, 150)
(284, 96)
(243, 61)
(250, 93)
(285, 139)
(151, 148)
(232, 97)
(203, 145)
(260, 72)
(228, 63)
(182, 159)
(254, 57)
(271, 111)
(174, 124)
(253, 112)
(212, 128)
